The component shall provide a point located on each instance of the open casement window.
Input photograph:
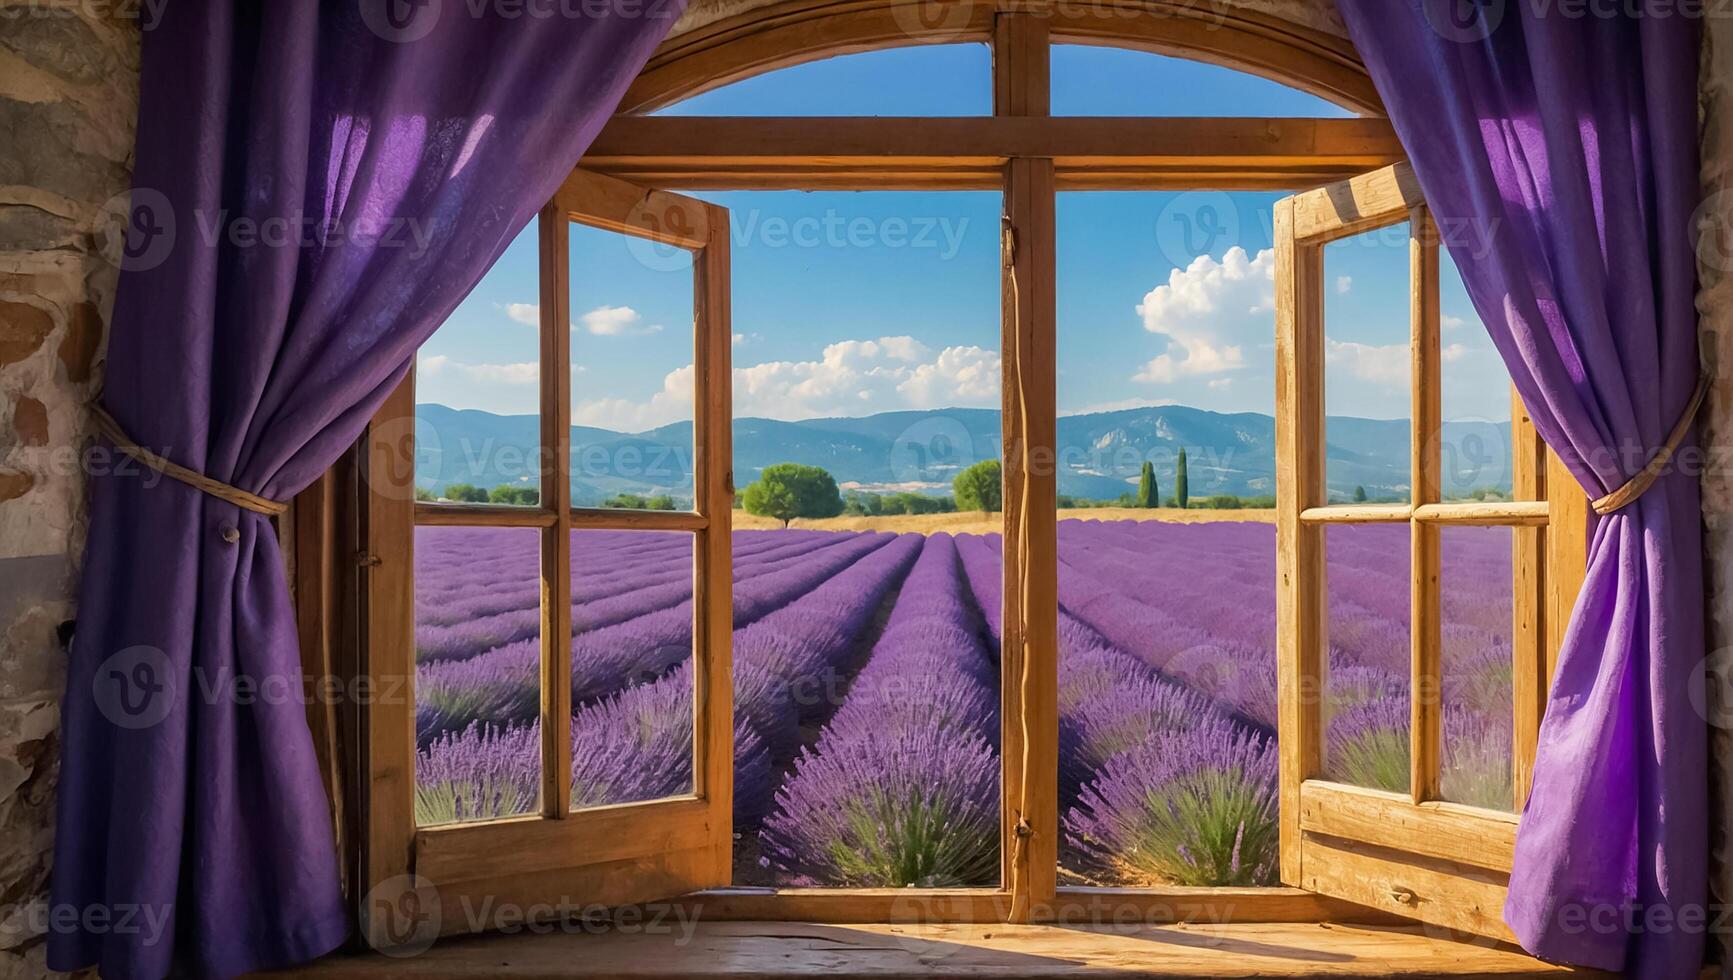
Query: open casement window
(569, 842)
(1408, 849)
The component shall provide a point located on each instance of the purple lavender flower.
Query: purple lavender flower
(1192, 807)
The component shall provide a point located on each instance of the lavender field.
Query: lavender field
(867, 679)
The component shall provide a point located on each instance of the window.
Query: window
(647, 600)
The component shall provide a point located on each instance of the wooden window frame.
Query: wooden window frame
(1411, 853)
(1029, 156)
(607, 853)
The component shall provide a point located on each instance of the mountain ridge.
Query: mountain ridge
(1100, 453)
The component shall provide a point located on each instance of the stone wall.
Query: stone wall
(68, 102)
(1715, 304)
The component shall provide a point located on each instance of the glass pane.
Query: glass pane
(1367, 374)
(478, 390)
(867, 389)
(1477, 589)
(1089, 80)
(1167, 669)
(632, 686)
(920, 80)
(632, 377)
(477, 673)
(1366, 700)
(1476, 445)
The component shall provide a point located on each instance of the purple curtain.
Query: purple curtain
(1558, 148)
(317, 186)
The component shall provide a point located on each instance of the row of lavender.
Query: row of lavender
(886, 773)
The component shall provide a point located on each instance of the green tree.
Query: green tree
(1148, 494)
(422, 493)
(789, 490)
(518, 496)
(465, 493)
(1181, 488)
(1359, 494)
(980, 487)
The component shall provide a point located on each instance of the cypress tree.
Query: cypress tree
(1359, 495)
(1148, 494)
(1180, 489)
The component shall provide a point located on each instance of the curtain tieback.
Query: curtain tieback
(198, 481)
(1638, 485)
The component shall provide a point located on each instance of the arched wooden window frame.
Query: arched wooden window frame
(1028, 155)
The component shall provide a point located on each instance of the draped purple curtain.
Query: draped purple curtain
(317, 186)
(1565, 138)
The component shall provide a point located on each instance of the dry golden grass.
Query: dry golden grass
(975, 522)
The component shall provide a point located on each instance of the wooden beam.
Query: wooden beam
(387, 750)
(498, 849)
(614, 519)
(988, 906)
(431, 514)
(1030, 638)
(869, 153)
(1446, 831)
(1358, 514)
(1362, 203)
(1528, 679)
(713, 497)
(792, 32)
(1300, 575)
(1021, 66)
(1443, 893)
(1492, 513)
(1425, 464)
(556, 492)
(605, 202)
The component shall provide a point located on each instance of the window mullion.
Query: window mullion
(556, 575)
(1426, 688)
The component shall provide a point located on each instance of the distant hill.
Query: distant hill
(1100, 454)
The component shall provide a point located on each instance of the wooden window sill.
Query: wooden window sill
(886, 952)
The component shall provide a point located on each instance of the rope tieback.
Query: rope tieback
(112, 431)
(1638, 485)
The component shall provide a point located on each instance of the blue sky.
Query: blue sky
(853, 303)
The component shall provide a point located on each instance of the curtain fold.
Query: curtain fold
(1559, 152)
(317, 186)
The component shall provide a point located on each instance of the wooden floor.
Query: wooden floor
(780, 949)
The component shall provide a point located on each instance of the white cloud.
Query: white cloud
(850, 378)
(1452, 322)
(1455, 352)
(1207, 311)
(1344, 284)
(746, 338)
(672, 404)
(520, 373)
(528, 314)
(617, 321)
(1386, 365)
